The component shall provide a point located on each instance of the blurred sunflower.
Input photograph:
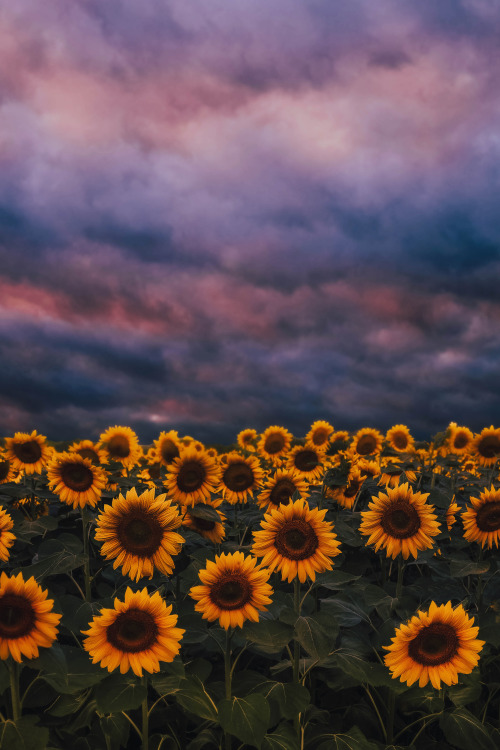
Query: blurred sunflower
(192, 477)
(28, 453)
(26, 618)
(307, 460)
(392, 470)
(136, 634)
(366, 442)
(247, 439)
(240, 477)
(436, 645)
(482, 520)
(274, 443)
(234, 589)
(368, 468)
(399, 438)
(7, 471)
(280, 487)
(486, 446)
(209, 529)
(121, 445)
(6, 538)
(459, 439)
(401, 522)
(90, 450)
(76, 480)
(339, 441)
(346, 496)
(138, 533)
(451, 511)
(296, 540)
(319, 434)
(167, 447)
(31, 507)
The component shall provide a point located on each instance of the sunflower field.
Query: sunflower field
(333, 591)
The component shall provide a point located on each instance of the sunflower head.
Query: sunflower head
(136, 634)
(233, 589)
(346, 495)
(399, 438)
(7, 471)
(76, 480)
(27, 452)
(167, 447)
(7, 539)
(192, 477)
(459, 439)
(280, 487)
(208, 528)
(482, 519)
(240, 477)
(436, 645)
(400, 521)
(247, 439)
(319, 434)
(90, 450)
(121, 445)
(367, 442)
(274, 443)
(307, 460)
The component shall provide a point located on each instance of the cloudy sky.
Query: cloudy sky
(220, 214)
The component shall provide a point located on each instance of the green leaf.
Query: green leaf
(168, 680)
(28, 529)
(116, 729)
(270, 636)
(464, 731)
(366, 672)
(245, 718)
(206, 512)
(53, 557)
(317, 634)
(354, 739)
(345, 612)
(66, 705)
(67, 669)
(460, 568)
(467, 692)
(284, 737)
(204, 739)
(23, 734)
(290, 699)
(335, 579)
(193, 696)
(119, 692)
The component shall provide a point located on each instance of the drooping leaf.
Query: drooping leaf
(284, 737)
(206, 512)
(269, 635)
(119, 692)
(23, 734)
(116, 729)
(193, 696)
(464, 731)
(245, 718)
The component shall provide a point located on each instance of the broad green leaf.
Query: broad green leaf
(245, 718)
(464, 731)
(354, 739)
(116, 729)
(288, 698)
(66, 705)
(193, 696)
(317, 634)
(366, 672)
(345, 612)
(269, 635)
(67, 668)
(23, 734)
(28, 529)
(119, 692)
(168, 680)
(284, 737)
(460, 568)
(335, 579)
(53, 557)
(205, 738)
(206, 512)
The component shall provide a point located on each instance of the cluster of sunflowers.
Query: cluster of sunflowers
(236, 536)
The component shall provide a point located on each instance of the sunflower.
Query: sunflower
(451, 511)
(247, 438)
(76, 480)
(6, 538)
(482, 520)
(209, 529)
(436, 645)
(280, 487)
(26, 618)
(392, 470)
(368, 468)
(367, 442)
(274, 443)
(319, 434)
(136, 634)
(399, 438)
(7, 471)
(90, 450)
(28, 453)
(307, 460)
(400, 521)
(459, 439)
(167, 447)
(486, 446)
(138, 533)
(192, 477)
(339, 441)
(121, 445)
(240, 476)
(346, 496)
(234, 589)
(296, 540)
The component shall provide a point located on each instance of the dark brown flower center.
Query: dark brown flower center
(488, 517)
(154, 471)
(202, 524)
(89, 453)
(282, 491)
(306, 460)
(231, 591)
(296, 540)
(133, 631)
(139, 533)
(119, 446)
(4, 469)
(77, 477)
(191, 476)
(460, 441)
(400, 520)
(238, 477)
(366, 444)
(320, 436)
(435, 644)
(400, 440)
(17, 616)
(352, 488)
(274, 443)
(489, 446)
(169, 450)
(29, 452)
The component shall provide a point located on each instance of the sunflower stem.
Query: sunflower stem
(391, 712)
(145, 717)
(227, 675)
(399, 584)
(86, 563)
(296, 647)
(14, 689)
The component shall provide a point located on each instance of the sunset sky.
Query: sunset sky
(218, 214)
